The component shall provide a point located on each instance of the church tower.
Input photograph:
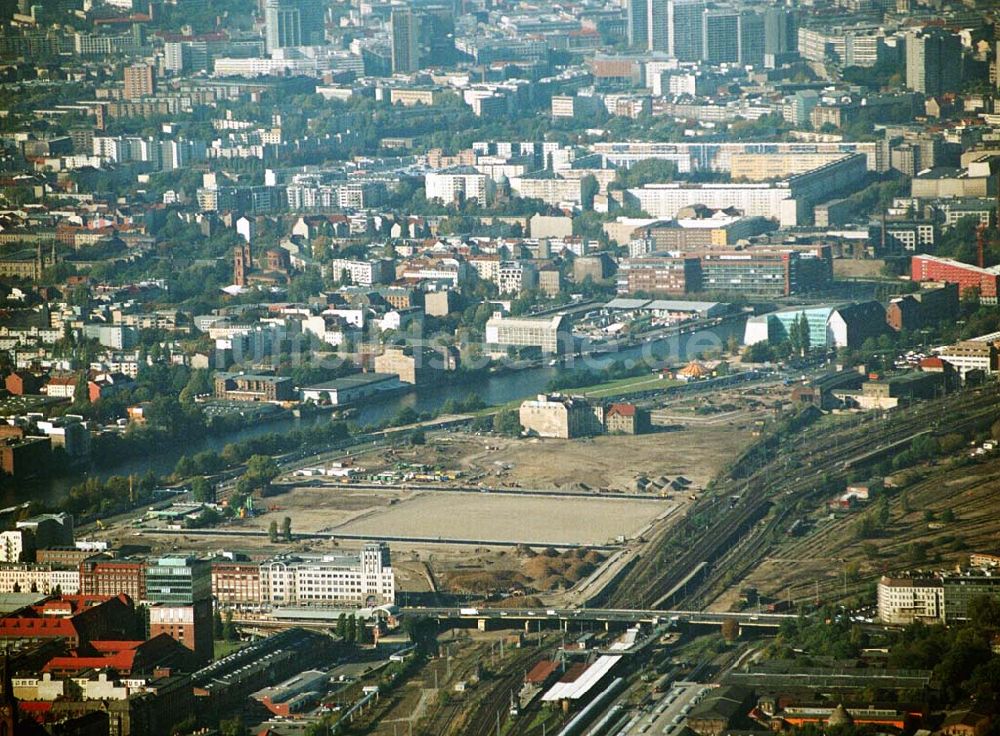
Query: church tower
(8, 703)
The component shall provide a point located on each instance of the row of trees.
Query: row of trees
(284, 535)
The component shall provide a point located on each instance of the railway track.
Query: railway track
(482, 720)
(795, 469)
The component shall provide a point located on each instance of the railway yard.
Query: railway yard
(745, 519)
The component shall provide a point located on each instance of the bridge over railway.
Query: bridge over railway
(488, 618)
(608, 615)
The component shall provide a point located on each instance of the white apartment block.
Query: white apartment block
(464, 183)
(42, 579)
(717, 156)
(362, 273)
(513, 277)
(905, 600)
(365, 579)
(486, 267)
(11, 545)
(549, 190)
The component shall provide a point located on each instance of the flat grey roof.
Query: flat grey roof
(362, 379)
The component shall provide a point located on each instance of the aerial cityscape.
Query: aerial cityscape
(498, 368)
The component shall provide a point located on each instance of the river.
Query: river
(500, 388)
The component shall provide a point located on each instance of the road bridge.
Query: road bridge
(610, 615)
(486, 618)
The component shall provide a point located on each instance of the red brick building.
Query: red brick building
(24, 457)
(925, 268)
(79, 619)
(124, 658)
(103, 575)
(235, 583)
(191, 625)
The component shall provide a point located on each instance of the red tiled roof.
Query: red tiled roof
(116, 646)
(625, 410)
(63, 380)
(573, 672)
(541, 671)
(34, 706)
(35, 627)
(121, 662)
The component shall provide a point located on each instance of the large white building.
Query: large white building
(717, 156)
(365, 579)
(790, 200)
(550, 190)
(549, 334)
(44, 579)
(363, 273)
(906, 600)
(459, 183)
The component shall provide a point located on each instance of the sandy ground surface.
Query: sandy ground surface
(612, 462)
(495, 517)
(696, 446)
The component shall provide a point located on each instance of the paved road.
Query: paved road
(622, 615)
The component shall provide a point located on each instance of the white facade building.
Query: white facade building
(905, 600)
(460, 183)
(513, 277)
(365, 579)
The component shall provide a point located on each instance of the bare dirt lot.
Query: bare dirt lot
(695, 444)
(606, 462)
(506, 517)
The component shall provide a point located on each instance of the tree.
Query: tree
(184, 468)
(272, 531)
(918, 552)
(342, 626)
(320, 248)
(794, 335)
(804, 338)
(202, 491)
(883, 512)
(866, 528)
(507, 422)
(730, 629)
(351, 629)
(261, 470)
(229, 632)
(589, 188)
(286, 529)
(948, 516)
(218, 631)
(81, 391)
(200, 382)
(422, 632)
(418, 436)
(232, 727)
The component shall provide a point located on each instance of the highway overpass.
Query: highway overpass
(486, 618)
(610, 615)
